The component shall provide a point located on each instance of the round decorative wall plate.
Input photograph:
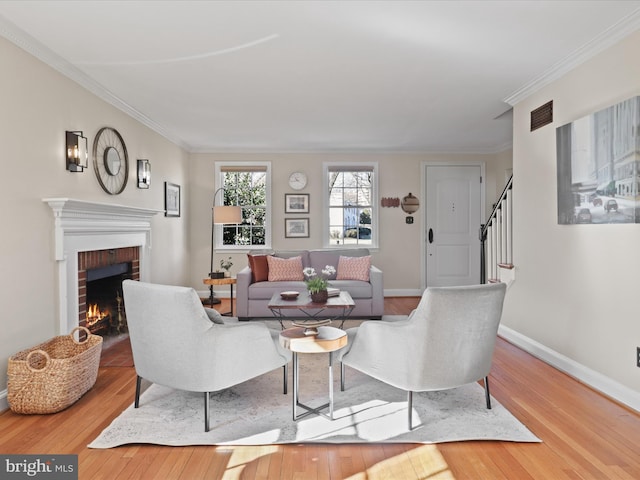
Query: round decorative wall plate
(110, 160)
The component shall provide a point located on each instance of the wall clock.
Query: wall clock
(110, 161)
(298, 180)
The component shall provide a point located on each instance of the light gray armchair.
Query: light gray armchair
(446, 342)
(175, 343)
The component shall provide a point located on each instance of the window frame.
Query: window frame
(218, 177)
(328, 167)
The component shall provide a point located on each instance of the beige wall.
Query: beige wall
(38, 105)
(399, 174)
(576, 288)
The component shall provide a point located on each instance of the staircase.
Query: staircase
(496, 241)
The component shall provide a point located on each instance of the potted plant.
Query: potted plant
(226, 265)
(317, 284)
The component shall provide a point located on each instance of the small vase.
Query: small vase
(319, 297)
(227, 274)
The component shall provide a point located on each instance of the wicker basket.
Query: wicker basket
(53, 375)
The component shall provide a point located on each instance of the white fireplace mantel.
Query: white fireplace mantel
(82, 226)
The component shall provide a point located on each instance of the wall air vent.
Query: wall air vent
(542, 116)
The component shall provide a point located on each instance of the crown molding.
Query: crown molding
(606, 39)
(32, 46)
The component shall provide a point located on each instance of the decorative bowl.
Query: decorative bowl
(290, 295)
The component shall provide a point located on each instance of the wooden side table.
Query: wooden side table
(231, 281)
(327, 340)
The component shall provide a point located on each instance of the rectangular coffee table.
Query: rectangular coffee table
(337, 308)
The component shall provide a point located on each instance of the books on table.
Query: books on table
(333, 292)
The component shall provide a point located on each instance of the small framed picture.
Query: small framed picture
(296, 227)
(171, 200)
(296, 203)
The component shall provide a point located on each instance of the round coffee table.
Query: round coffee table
(327, 340)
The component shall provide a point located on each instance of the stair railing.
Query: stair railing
(496, 238)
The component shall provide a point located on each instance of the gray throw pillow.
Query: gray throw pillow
(214, 315)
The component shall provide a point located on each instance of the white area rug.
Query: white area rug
(257, 413)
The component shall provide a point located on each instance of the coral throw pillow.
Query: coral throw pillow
(354, 268)
(285, 269)
(259, 268)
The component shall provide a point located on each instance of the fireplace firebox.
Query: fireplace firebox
(100, 277)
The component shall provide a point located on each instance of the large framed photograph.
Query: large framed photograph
(296, 203)
(296, 227)
(171, 200)
(597, 158)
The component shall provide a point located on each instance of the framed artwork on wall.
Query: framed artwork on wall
(171, 200)
(296, 203)
(296, 227)
(597, 158)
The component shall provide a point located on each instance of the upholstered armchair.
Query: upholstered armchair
(175, 343)
(446, 342)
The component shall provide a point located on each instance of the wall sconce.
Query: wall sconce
(77, 152)
(410, 204)
(144, 173)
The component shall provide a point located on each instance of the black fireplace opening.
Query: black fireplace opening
(104, 304)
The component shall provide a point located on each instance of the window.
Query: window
(246, 186)
(351, 199)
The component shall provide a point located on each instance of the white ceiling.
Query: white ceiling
(276, 76)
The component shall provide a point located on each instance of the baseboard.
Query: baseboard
(593, 379)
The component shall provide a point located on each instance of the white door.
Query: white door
(453, 217)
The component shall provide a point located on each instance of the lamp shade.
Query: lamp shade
(227, 214)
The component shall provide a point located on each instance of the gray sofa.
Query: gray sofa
(252, 298)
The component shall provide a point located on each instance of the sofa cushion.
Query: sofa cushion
(321, 258)
(285, 269)
(304, 254)
(259, 268)
(356, 288)
(265, 290)
(354, 268)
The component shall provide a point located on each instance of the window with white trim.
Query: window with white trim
(350, 199)
(247, 185)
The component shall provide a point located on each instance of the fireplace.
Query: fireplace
(91, 235)
(100, 277)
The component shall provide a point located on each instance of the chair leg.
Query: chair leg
(136, 404)
(486, 392)
(342, 376)
(286, 376)
(206, 411)
(410, 407)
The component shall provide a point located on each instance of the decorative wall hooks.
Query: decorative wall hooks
(390, 202)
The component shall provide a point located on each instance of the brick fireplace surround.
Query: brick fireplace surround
(99, 259)
(84, 233)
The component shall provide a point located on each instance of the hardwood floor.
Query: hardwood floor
(585, 435)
